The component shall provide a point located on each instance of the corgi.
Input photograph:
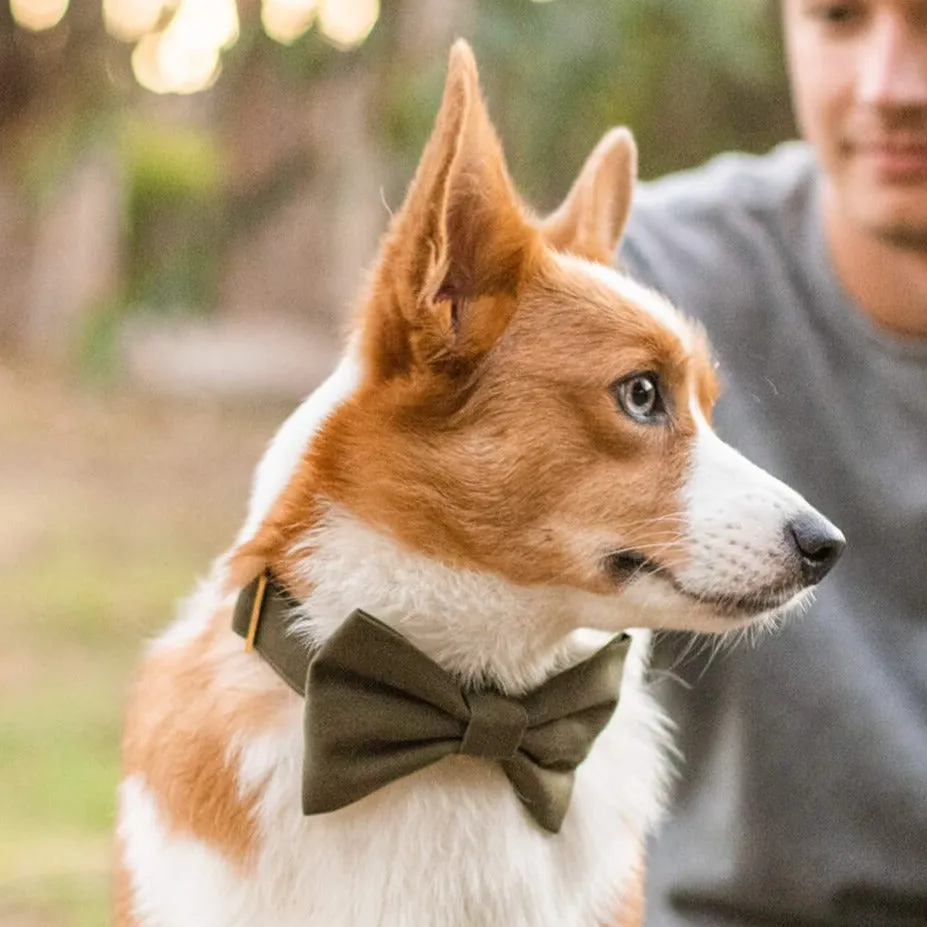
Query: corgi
(512, 463)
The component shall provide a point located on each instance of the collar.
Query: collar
(264, 615)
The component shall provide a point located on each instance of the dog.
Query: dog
(511, 466)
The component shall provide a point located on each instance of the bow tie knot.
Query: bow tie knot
(496, 727)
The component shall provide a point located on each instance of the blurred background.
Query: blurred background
(189, 193)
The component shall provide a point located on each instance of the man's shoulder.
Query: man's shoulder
(727, 222)
(729, 185)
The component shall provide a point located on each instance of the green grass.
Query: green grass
(77, 899)
(112, 506)
(79, 626)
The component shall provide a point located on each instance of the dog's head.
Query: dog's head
(524, 409)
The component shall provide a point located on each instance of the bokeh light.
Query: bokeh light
(185, 56)
(286, 20)
(38, 15)
(181, 53)
(205, 24)
(346, 23)
(163, 64)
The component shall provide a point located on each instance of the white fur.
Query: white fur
(490, 630)
(289, 444)
(638, 295)
(738, 517)
(176, 880)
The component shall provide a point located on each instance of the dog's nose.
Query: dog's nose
(819, 545)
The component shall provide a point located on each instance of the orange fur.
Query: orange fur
(632, 908)
(122, 893)
(459, 237)
(180, 722)
(593, 215)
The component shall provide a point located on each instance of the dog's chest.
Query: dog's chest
(450, 845)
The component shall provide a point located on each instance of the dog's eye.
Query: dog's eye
(639, 397)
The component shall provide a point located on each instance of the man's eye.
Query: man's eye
(640, 398)
(833, 13)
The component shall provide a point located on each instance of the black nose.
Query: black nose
(819, 544)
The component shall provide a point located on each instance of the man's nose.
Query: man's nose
(893, 62)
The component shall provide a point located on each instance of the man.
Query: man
(803, 798)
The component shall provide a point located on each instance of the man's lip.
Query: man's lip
(898, 161)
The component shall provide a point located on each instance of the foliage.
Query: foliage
(689, 78)
(173, 206)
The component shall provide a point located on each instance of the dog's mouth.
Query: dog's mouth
(625, 566)
(744, 606)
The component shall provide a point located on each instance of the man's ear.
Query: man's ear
(591, 219)
(456, 251)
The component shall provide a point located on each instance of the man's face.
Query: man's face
(859, 80)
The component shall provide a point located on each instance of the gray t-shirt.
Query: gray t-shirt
(803, 794)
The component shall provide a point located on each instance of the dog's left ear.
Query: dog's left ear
(591, 219)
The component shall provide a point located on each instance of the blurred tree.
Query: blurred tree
(266, 193)
(689, 78)
(59, 202)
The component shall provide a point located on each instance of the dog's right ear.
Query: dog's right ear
(455, 253)
(591, 219)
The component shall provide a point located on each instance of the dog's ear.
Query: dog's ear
(591, 219)
(457, 250)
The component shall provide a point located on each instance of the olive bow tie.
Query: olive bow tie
(378, 709)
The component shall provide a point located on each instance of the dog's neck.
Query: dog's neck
(476, 625)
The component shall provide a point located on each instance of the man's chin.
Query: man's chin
(895, 216)
(903, 235)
